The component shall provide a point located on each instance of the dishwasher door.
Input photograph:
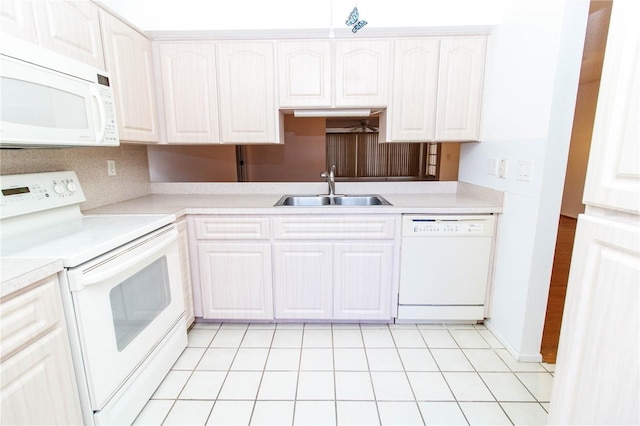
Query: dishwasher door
(444, 267)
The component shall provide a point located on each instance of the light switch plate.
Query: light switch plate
(492, 166)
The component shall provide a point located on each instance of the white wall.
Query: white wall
(532, 73)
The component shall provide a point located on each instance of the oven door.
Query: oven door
(125, 302)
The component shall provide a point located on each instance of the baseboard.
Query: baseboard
(535, 357)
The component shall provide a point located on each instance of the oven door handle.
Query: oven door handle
(91, 277)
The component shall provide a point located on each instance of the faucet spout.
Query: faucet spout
(330, 176)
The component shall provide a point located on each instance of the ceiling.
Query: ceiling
(225, 15)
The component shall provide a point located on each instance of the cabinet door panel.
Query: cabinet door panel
(236, 280)
(362, 73)
(128, 59)
(16, 19)
(38, 385)
(363, 278)
(305, 73)
(246, 87)
(71, 28)
(597, 375)
(613, 176)
(189, 91)
(415, 90)
(460, 88)
(303, 286)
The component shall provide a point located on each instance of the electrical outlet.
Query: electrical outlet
(111, 167)
(492, 166)
(502, 168)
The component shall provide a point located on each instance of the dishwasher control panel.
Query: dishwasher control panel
(448, 225)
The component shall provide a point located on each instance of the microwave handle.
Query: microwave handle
(102, 129)
(122, 266)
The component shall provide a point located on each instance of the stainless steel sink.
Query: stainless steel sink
(304, 200)
(336, 200)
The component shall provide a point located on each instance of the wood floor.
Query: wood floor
(558, 288)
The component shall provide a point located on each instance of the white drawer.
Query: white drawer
(231, 228)
(334, 227)
(28, 316)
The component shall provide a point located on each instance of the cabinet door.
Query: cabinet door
(415, 90)
(363, 278)
(597, 370)
(460, 88)
(614, 158)
(235, 280)
(305, 73)
(128, 59)
(362, 73)
(16, 19)
(185, 268)
(246, 88)
(303, 280)
(71, 28)
(188, 81)
(38, 384)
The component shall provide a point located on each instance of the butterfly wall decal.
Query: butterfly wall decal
(353, 20)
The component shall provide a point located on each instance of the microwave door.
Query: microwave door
(49, 107)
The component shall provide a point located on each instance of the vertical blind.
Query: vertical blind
(359, 155)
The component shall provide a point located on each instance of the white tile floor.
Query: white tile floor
(348, 374)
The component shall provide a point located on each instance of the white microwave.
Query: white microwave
(47, 99)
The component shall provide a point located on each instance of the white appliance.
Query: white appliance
(121, 288)
(444, 267)
(47, 99)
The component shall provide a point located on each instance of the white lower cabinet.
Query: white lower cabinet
(38, 380)
(312, 267)
(335, 268)
(231, 267)
(363, 280)
(303, 280)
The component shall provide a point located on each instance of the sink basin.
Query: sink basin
(304, 200)
(360, 200)
(336, 200)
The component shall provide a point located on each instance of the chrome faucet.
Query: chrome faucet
(331, 180)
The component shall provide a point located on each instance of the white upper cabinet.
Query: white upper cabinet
(16, 19)
(305, 73)
(437, 90)
(187, 74)
(460, 84)
(71, 28)
(357, 74)
(415, 89)
(246, 89)
(128, 59)
(362, 73)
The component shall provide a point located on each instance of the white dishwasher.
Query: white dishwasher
(444, 267)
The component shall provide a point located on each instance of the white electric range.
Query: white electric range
(121, 288)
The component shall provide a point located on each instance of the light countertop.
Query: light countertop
(19, 273)
(181, 199)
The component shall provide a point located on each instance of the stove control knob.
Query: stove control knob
(71, 187)
(57, 188)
